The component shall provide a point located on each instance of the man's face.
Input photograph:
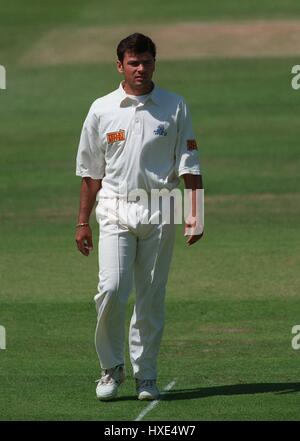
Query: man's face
(137, 69)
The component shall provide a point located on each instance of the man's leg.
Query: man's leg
(153, 259)
(117, 251)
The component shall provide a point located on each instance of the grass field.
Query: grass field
(232, 298)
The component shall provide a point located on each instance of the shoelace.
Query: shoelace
(107, 376)
(106, 379)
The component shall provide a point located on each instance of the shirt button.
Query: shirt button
(136, 120)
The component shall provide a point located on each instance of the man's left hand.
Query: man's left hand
(191, 230)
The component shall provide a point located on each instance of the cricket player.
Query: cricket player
(136, 139)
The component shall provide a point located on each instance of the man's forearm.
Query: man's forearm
(193, 182)
(194, 216)
(88, 193)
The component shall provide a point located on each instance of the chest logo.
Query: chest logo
(160, 131)
(115, 136)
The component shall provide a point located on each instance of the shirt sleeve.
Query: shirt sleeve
(90, 160)
(186, 150)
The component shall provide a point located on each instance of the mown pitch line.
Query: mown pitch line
(155, 402)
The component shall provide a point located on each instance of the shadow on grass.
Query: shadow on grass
(234, 389)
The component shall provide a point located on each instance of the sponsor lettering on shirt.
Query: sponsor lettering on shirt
(115, 136)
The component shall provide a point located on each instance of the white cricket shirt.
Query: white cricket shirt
(145, 142)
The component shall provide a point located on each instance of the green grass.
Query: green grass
(232, 299)
(99, 12)
(20, 27)
(233, 365)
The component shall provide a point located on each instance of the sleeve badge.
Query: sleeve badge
(191, 144)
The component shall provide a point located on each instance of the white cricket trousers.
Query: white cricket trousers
(131, 251)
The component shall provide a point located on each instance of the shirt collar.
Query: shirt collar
(124, 99)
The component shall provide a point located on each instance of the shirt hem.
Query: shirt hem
(189, 171)
(88, 175)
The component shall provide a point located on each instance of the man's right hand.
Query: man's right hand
(84, 240)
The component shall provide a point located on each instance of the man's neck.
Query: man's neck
(137, 92)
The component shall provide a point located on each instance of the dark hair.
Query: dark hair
(136, 43)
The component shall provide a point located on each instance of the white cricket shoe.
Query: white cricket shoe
(147, 389)
(107, 387)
